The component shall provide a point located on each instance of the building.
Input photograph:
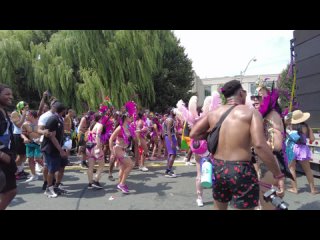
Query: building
(204, 87)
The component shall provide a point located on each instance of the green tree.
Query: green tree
(80, 68)
(175, 79)
(284, 84)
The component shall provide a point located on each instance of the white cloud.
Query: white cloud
(217, 53)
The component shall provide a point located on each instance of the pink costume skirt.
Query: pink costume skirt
(95, 153)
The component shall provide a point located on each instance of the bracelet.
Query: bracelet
(279, 176)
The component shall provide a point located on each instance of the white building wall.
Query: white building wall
(248, 83)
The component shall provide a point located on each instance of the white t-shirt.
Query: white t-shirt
(43, 119)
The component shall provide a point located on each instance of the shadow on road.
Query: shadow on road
(310, 206)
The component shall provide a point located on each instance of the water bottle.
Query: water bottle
(206, 172)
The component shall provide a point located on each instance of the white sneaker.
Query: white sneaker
(190, 164)
(32, 178)
(38, 168)
(199, 202)
(143, 169)
(50, 192)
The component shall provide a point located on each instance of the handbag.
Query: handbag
(213, 137)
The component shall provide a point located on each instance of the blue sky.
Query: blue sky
(219, 53)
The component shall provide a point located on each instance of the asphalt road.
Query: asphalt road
(148, 191)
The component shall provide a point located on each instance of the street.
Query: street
(148, 191)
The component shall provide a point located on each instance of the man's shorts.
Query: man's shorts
(53, 162)
(9, 170)
(33, 150)
(170, 150)
(237, 181)
(19, 145)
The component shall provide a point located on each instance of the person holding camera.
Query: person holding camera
(235, 176)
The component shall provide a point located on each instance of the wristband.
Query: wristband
(279, 176)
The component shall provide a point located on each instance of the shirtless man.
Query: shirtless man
(241, 129)
(31, 139)
(83, 128)
(68, 123)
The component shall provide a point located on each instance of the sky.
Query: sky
(220, 53)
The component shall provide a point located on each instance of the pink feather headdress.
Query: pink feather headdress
(131, 108)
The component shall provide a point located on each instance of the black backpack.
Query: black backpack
(213, 137)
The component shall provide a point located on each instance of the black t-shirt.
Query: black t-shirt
(6, 135)
(54, 123)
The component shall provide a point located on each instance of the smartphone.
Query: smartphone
(48, 93)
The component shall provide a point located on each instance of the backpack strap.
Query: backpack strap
(223, 117)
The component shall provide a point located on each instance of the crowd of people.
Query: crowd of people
(46, 137)
(252, 146)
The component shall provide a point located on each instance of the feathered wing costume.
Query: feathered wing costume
(269, 103)
(191, 115)
(131, 108)
(105, 110)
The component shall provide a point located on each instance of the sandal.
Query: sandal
(111, 178)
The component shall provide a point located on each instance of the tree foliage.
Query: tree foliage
(175, 79)
(284, 84)
(80, 68)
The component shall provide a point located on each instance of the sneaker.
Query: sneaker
(111, 178)
(123, 188)
(60, 191)
(24, 173)
(189, 163)
(143, 169)
(90, 186)
(50, 192)
(32, 178)
(199, 202)
(61, 186)
(21, 176)
(38, 168)
(96, 185)
(44, 186)
(170, 174)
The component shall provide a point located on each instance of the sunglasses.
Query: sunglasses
(255, 97)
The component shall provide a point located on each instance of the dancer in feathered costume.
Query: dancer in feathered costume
(270, 110)
(191, 115)
(122, 136)
(106, 111)
(156, 138)
(94, 151)
(141, 146)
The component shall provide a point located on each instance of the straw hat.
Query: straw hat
(299, 117)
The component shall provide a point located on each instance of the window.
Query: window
(207, 92)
